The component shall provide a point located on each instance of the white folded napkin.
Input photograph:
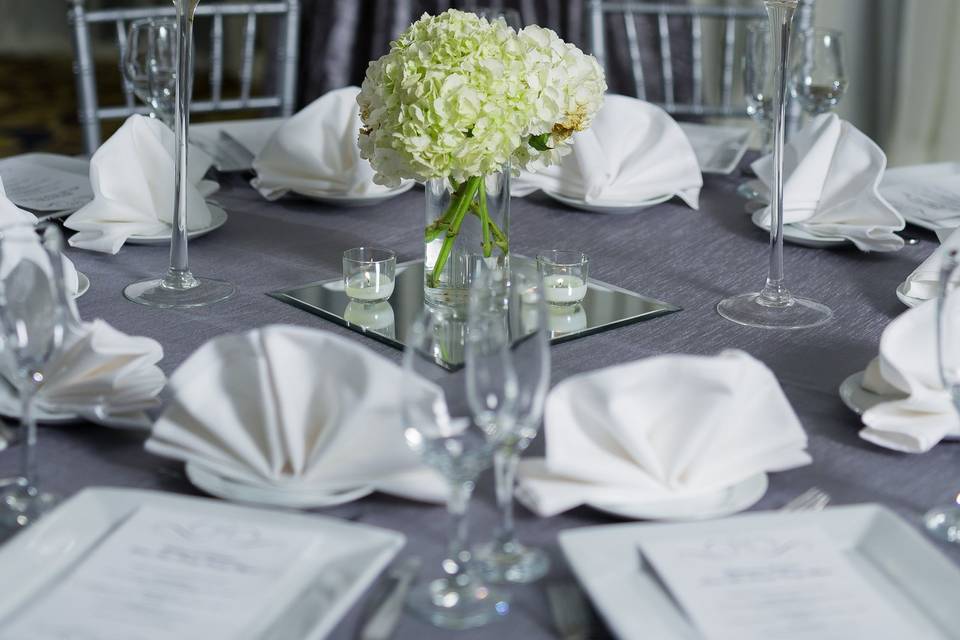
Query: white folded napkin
(924, 282)
(929, 192)
(661, 428)
(11, 214)
(831, 175)
(633, 152)
(132, 175)
(316, 153)
(907, 365)
(290, 407)
(100, 369)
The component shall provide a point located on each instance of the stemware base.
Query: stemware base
(450, 605)
(21, 506)
(511, 562)
(158, 292)
(755, 310)
(944, 523)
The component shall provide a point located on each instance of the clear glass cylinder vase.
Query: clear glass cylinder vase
(467, 226)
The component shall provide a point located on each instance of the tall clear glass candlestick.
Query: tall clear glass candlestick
(774, 307)
(179, 287)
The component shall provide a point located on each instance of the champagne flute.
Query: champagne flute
(774, 307)
(179, 288)
(757, 80)
(510, 309)
(818, 78)
(33, 317)
(149, 65)
(439, 428)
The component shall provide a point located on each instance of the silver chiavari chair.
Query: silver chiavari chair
(629, 12)
(281, 98)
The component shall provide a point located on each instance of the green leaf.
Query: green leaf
(540, 142)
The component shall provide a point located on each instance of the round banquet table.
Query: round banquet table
(670, 252)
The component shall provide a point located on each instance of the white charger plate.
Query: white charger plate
(910, 301)
(635, 207)
(220, 486)
(914, 577)
(342, 200)
(801, 237)
(739, 497)
(218, 217)
(859, 399)
(337, 576)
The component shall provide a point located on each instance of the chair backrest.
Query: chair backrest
(728, 18)
(282, 98)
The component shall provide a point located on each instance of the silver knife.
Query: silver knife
(383, 621)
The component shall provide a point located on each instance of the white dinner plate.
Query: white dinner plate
(10, 408)
(859, 399)
(904, 188)
(719, 149)
(740, 496)
(218, 217)
(912, 575)
(801, 236)
(342, 200)
(578, 203)
(910, 301)
(353, 556)
(289, 497)
(83, 285)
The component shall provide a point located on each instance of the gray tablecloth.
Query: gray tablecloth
(691, 258)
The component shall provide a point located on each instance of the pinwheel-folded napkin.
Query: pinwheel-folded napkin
(633, 152)
(908, 366)
(132, 176)
(831, 175)
(315, 152)
(661, 428)
(292, 407)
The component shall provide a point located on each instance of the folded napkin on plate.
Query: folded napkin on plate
(924, 282)
(102, 369)
(316, 153)
(633, 152)
(831, 175)
(928, 192)
(289, 407)
(11, 214)
(659, 429)
(132, 179)
(907, 365)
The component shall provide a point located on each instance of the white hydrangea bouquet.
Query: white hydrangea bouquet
(458, 98)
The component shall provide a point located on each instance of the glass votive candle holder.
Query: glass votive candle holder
(564, 276)
(368, 274)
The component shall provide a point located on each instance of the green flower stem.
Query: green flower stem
(485, 223)
(499, 237)
(439, 226)
(459, 208)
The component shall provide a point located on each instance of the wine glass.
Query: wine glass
(774, 307)
(438, 426)
(818, 79)
(510, 16)
(32, 318)
(758, 80)
(179, 288)
(149, 64)
(944, 522)
(509, 309)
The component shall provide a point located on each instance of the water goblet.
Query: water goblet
(439, 427)
(369, 274)
(509, 309)
(149, 64)
(564, 276)
(818, 78)
(32, 327)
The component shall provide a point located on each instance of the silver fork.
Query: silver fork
(813, 499)
(571, 615)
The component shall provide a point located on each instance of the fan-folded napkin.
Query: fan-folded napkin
(316, 153)
(924, 282)
(831, 175)
(132, 176)
(633, 152)
(661, 428)
(289, 407)
(907, 366)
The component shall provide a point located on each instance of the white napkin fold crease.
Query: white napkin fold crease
(315, 152)
(924, 282)
(907, 366)
(292, 408)
(831, 176)
(633, 152)
(661, 428)
(132, 176)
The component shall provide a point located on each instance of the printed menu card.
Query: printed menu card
(166, 574)
(789, 583)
